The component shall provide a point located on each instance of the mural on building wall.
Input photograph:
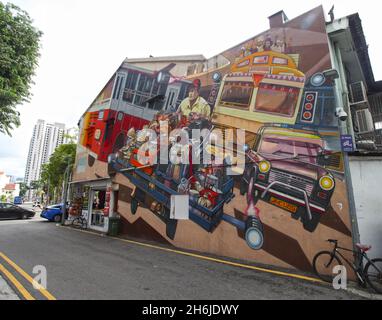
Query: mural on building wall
(279, 88)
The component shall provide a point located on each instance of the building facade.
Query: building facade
(284, 88)
(45, 139)
(9, 188)
(361, 101)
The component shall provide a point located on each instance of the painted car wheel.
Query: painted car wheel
(243, 187)
(311, 225)
(254, 238)
(171, 228)
(57, 218)
(134, 205)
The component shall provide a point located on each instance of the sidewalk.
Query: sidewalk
(6, 293)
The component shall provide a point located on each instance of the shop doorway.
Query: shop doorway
(97, 206)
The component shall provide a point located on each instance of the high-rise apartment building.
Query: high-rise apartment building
(45, 139)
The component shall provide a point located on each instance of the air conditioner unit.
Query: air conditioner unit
(357, 93)
(365, 121)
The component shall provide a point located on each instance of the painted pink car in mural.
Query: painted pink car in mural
(287, 171)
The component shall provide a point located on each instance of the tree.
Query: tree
(52, 173)
(73, 136)
(23, 189)
(19, 53)
(35, 184)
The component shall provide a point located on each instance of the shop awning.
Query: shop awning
(89, 181)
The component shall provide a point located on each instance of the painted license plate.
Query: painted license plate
(284, 205)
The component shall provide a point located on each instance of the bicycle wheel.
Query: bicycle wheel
(323, 264)
(77, 223)
(373, 274)
(84, 223)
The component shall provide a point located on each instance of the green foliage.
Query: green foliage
(35, 185)
(19, 53)
(52, 173)
(23, 189)
(72, 138)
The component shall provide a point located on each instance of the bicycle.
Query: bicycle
(325, 261)
(80, 222)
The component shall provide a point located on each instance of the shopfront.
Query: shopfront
(95, 201)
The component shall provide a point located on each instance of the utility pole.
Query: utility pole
(65, 193)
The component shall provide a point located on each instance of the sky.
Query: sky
(85, 41)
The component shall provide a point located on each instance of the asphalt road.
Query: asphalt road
(87, 266)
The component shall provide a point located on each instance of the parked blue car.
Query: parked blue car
(52, 213)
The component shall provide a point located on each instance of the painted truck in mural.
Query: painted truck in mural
(208, 186)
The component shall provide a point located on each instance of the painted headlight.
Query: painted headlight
(216, 77)
(317, 79)
(326, 183)
(264, 166)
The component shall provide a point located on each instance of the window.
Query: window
(287, 147)
(281, 61)
(378, 125)
(117, 89)
(260, 60)
(276, 99)
(243, 63)
(144, 89)
(129, 92)
(237, 94)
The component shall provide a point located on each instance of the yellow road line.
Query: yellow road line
(16, 283)
(42, 290)
(280, 273)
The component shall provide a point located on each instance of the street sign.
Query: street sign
(347, 143)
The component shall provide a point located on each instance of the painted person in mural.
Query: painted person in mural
(194, 105)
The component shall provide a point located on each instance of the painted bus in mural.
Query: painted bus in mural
(137, 96)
